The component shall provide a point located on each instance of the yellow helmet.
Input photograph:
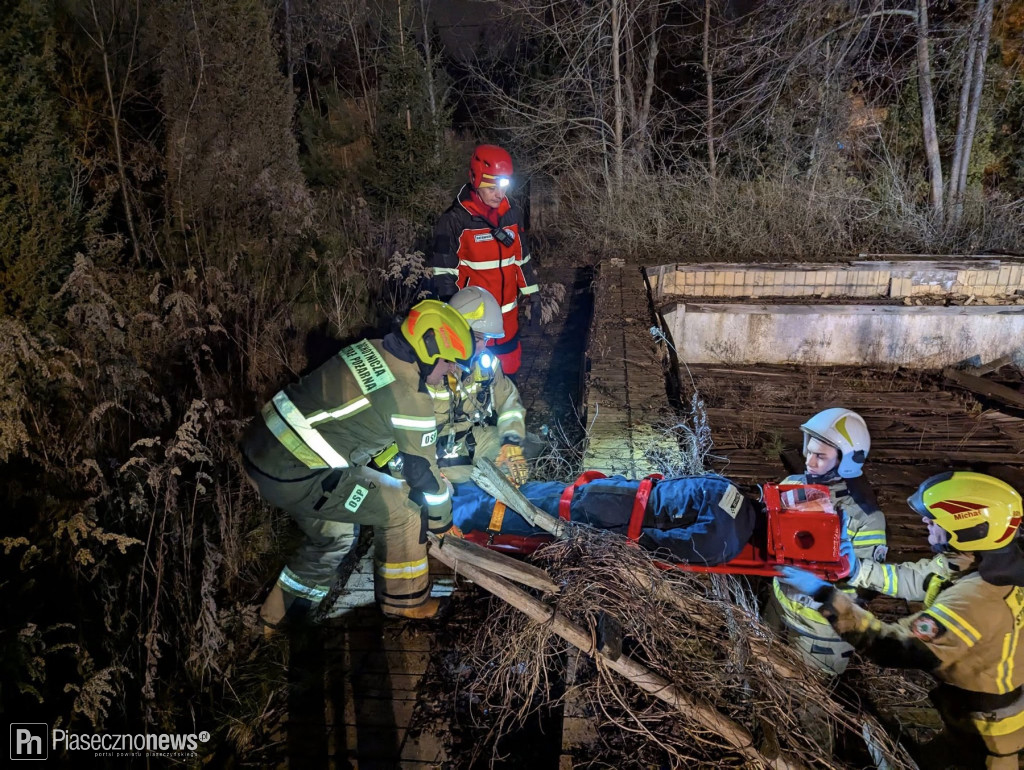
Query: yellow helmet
(979, 512)
(436, 330)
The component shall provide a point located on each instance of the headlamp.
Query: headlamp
(486, 361)
(503, 182)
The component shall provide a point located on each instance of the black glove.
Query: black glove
(535, 311)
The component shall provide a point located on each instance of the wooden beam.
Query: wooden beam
(991, 366)
(463, 552)
(985, 388)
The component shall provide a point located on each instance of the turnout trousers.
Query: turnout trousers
(325, 504)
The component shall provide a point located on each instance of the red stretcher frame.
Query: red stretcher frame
(793, 538)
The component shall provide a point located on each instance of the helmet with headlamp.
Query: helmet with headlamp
(490, 166)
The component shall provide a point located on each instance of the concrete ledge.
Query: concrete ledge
(988, 277)
(918, 336)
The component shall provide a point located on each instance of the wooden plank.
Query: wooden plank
(985, 388)
(991, 366)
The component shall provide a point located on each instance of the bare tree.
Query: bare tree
(434, 99)
(597, 109)
(970, 101)
(101, 35)
(924, 85)
(709, 126)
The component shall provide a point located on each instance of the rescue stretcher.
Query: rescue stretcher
(799, 529)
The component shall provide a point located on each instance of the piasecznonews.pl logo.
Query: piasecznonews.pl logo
(35, 740)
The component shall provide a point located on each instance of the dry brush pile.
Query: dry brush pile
(733, 694)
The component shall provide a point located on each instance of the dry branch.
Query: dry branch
(495, 483)
(734, 734)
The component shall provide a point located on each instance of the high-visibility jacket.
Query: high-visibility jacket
(969, 639)
(354, 406)
(812, 634)
(467, 253)
(914, 581)
(478, 397)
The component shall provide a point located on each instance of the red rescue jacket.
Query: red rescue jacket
(466, 253)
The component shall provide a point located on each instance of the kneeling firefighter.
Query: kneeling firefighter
(310, 453)
(969, 636)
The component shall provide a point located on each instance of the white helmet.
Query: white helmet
(847, 432)
(481, 309)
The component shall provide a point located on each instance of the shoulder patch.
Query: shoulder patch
(367, 366)
(429, 438)
(926, 628)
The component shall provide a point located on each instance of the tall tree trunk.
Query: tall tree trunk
(629, 75)
(972, 119)
(965, 96)
(709, 84)
(924, 87)
(401, 47)
(431, 86)
(357, 48)
(642, 128)
(617, 81)
(114, 103)
(289, 59)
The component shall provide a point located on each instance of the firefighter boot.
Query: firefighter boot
(281, 610)
(424, 611)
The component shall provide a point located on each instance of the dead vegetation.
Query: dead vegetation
(702, 635)
(171, 252)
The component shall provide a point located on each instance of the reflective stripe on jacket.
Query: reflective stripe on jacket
(466, 253)
(354, 406)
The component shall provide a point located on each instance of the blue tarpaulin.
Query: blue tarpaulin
(692, 519)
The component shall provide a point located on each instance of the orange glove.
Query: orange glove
(452, 531)
(511, 462)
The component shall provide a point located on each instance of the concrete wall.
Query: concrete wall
(915, 336)
(894, 280)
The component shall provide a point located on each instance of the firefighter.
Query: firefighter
(836, 444)
(481, 241)
(478, 412)
(969, 637)
(313, 449)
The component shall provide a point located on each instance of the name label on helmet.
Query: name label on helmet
(367, 366)
(965, 515)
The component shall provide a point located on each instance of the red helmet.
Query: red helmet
(491, 166)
